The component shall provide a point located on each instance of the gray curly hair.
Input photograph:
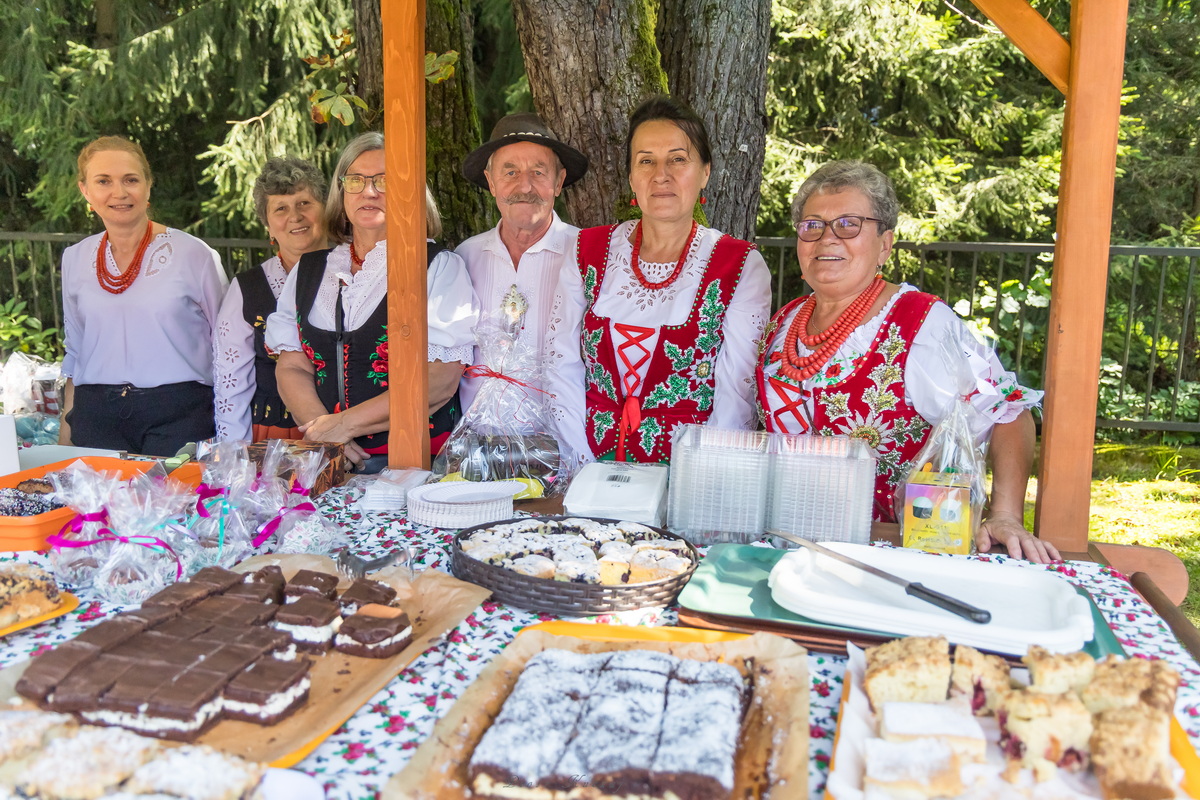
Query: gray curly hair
(286, 175)
(837, 176)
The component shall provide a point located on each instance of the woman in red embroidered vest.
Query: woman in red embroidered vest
(330, 326)
(672, 310)
(859, 356)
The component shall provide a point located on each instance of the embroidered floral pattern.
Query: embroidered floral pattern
(318, 361)
(379, 365)
(650, 430)
(602, 423)
(837, 404)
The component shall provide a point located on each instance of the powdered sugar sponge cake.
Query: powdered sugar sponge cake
(580, 550)
(624, 724)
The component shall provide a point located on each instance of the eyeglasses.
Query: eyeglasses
(353, 184)
(847, 227)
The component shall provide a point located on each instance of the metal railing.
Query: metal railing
(1150, 376)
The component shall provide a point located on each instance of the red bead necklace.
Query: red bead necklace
(635, 265)
(824, 344)
(354, 259)
(116, 284)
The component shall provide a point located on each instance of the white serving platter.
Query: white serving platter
(1028, 606)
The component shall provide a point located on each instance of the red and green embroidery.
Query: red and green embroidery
(379, 364)
(318, 361)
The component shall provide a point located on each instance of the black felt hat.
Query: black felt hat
(524, 127)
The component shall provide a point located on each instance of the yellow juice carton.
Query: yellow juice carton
(937, 512)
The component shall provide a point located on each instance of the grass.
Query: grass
(1148, 496)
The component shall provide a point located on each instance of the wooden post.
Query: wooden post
(1033, 36)
(404, 127)
(1080, 270)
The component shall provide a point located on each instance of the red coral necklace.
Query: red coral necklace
(825, 343)
(355, 261)
(635, 265)
(116, 284)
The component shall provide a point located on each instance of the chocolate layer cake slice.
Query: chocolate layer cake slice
(181, 595)
(185, 627)
(308, 582)
(150, 616)
(155, 647)
(270, 575)
(52, 667)
(257, 592)
(376, 631)
(269, 691)
(110, 633)
(83, 687)
(248, 613)
(123, 704)
(214, 607)
(229, 660)
(268, 641)
(311, 622)
(220, 577)
(185, 707)
(365, 591)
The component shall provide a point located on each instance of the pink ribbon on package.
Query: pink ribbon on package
(267, 529)
(204, 493)
(75, 525)
(106, 535)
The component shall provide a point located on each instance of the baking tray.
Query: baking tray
(562, 597)
(1181, 747)
(774, 732)
(29, 533)
(729, 591)
(67, 603)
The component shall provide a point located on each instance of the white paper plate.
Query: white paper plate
(288, 784)
(458, 492)
(1028, 606)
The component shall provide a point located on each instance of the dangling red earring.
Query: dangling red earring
(633, 202)
(703, 199)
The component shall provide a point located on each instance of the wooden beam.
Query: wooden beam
(1034, 36)
(1080, 274)
(404, 126)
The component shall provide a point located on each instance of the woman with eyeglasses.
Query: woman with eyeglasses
(859, 356)
(330, 327)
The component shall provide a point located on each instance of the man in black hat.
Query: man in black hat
(525, 167)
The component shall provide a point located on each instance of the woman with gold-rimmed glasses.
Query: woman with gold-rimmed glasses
(859, 355)
(330, 327)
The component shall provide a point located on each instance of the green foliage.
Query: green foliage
(20, 332)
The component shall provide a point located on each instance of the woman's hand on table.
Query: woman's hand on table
(334, 428)
(1020, 543)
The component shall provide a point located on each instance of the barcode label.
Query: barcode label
(619, 478)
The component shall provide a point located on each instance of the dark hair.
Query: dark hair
(284, 176)
(666, 107)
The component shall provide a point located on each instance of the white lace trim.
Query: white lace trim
(158, 256)
(437, 352)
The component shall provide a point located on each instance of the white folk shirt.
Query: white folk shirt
(929, 385)
(233, 357)
(622, 299)
(451, 305)
(156, 332)
(536, 278)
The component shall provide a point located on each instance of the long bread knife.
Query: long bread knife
(964, 610)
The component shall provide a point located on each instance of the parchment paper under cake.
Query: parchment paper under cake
(774, 733)
(341, 684)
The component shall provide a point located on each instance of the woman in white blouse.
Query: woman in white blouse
(672, 310)
(330, 327)
(289, 199)
(139, 303)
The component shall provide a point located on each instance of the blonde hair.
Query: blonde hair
(433, 217)
(337, 226)
(108, 143)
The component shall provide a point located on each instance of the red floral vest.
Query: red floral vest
(680, 381)
(867, 403)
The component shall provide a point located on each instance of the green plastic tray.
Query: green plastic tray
(731, 582)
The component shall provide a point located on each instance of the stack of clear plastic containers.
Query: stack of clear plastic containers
(718, 486)
(821, 488)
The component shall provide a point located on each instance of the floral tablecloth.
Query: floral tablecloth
(357, 760)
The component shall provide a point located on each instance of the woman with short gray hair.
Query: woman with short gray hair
(859, 356)
(289, 199)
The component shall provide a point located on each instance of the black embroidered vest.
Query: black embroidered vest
(258, 301)
(365, 352)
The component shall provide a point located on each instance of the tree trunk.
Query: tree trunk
(715, 56)
(106, 23)
(368, 39)
(589, 65)
(452, 124)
